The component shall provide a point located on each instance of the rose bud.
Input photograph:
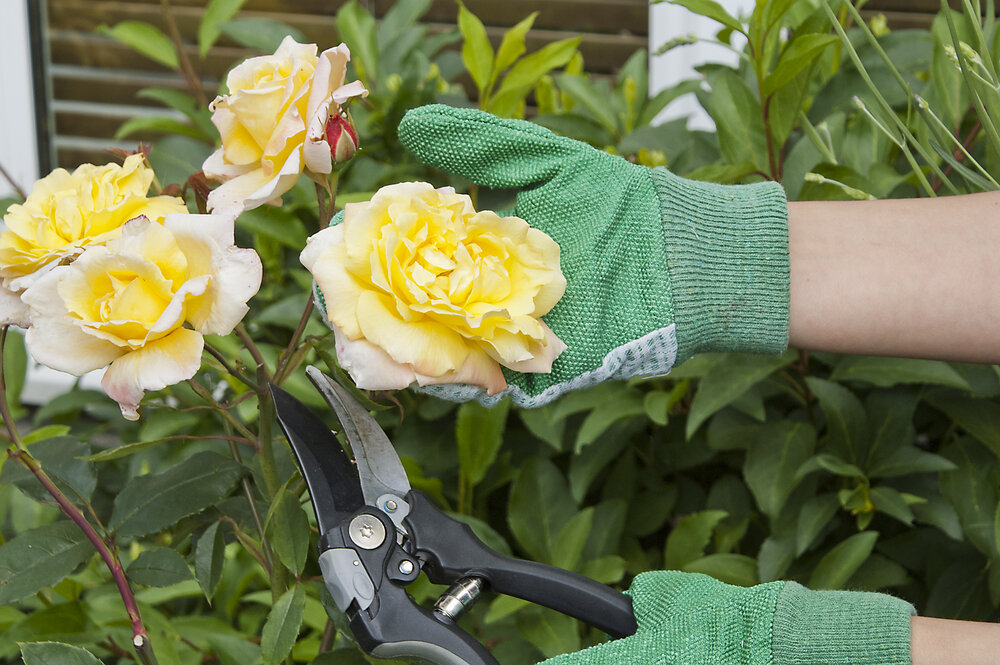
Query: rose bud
(342, 137)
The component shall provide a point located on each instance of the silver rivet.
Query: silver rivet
(390, 506)
(406, 567)
(366, 532)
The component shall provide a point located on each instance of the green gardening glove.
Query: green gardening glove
(692, 619)
(657, 267)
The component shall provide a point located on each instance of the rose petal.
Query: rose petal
(13, 311)
(253, 189)
(157, 365)
(369, 366)
(543, 354)
(477, 370)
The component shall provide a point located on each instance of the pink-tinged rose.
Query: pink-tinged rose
(141, 303)
(68, 212)
(273, 123)
(419, 287)
(342, 137)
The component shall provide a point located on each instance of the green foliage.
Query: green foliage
(837, 472)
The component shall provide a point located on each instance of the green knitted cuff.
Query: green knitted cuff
(840, 627)
(728, 264)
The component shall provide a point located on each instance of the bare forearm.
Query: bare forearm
(905, 277)
(947, 642)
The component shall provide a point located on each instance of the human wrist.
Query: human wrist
(854, 627)
(727, 262)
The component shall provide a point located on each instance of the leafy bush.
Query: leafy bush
(839, 472)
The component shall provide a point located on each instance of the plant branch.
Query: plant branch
(215, 353)
(194, 83)
(267, 561)
(230, 418)
(251, 346)
(13, 183)
(286, 356)
(8, 420)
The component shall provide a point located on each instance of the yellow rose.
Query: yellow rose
(421, 287)
(273, 123)
(66, 212)
(141, 303)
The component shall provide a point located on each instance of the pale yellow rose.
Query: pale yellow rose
(67, 212)
(141, 303)
(273, 123)
(421, 287)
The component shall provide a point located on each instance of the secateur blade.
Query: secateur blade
(383, 479)
(329, 474)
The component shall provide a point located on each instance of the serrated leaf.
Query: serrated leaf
(801, 52)
(539, 484)
(56, 653)
(216, 13)
(726, 381)
(209, 557)
(479, 434)
(888, 372)
(152, 502)
(145, 38)
(282, 626)
(687, 541)
(63, 459)
(160, 567)
(40, 558)
(263, 34)
(840, 563)
(233, 650)
(737, 569)
(816, 513)
(288, 526)
(776, 452)
(477, 53)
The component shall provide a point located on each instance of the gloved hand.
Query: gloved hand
(657, 267)
(693, 619)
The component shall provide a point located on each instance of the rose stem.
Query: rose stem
(251, 346)
(13, 184)
(292, 343)
(215, 353)
(269, 469)
(194, 83)
(140, 638)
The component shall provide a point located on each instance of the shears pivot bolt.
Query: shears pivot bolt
(366, 532)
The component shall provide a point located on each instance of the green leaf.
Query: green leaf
(978, 417)
(233, 650)
(512, 46)
(40, 558)
(209, 557)
(542, 423)
(153, 502)
(572, 538)
(15, 367)
(477, 53)
(282, 626)
(909, 460)
(160, 567)
(551, 632)
(56, 653)
(479, 434)
(840, 563)
(688, 540)
(606, 569)
(157, 124)
(174, 158)
(592, 460)
(60, 457)
(145, 38)
(43, 433)
(892, 503)
(357, 28)
(539, 484)
(216, 13)
(831, 463)
(774, 558)
(877, 573)
(815, 515)
(592, 98)
(528, 70)
(709, 9)
(288, 527)
(738, 119)
(776, 452)
(726, 381)
(938, 512)
(263, 34)
(801, 52)
(275, 223)
(970, 489)
(124, 451)
(625, 404)
(888, 372)
(186, 104)
(846, 420)
(737, 569)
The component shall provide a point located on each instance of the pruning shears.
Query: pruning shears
(377, 534)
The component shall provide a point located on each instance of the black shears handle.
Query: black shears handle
(451, 552)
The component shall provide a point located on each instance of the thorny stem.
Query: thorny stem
(215, 353)
(251, 346)
(194, 83)
(286, 356)
(269, 469)
(329, 633)
(230, 418)
(248, 491)
(13, 184)
(245, 541)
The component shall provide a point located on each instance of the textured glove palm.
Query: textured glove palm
(691, 619)
(657, 267)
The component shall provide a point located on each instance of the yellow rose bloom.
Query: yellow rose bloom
(421, 287)
(67, 212)
(141, 303)
(273, 123)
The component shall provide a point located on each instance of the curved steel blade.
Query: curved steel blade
(379, 468)
(329, 474)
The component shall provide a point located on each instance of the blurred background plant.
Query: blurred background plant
(839, 472)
